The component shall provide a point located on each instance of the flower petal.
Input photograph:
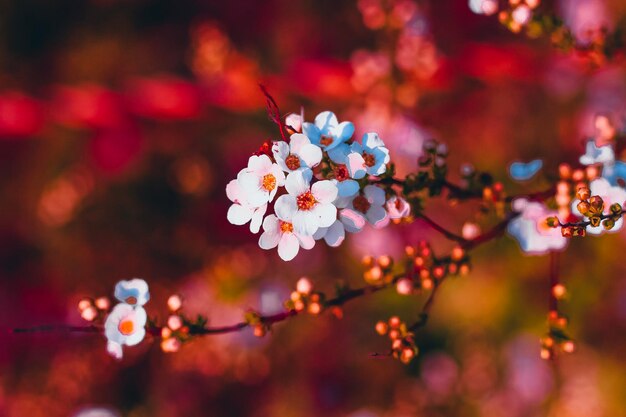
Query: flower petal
(285, 207)
(257, 219)
(372, 140)
(344, 131)
(234, 192)
(377, 216)
(335, 234)
(325, 191)
(305, 222)
(312, 132)
(375, 195)
(347, 188)
(288, 246)
(298, 182)
(352, 220)
(310, 154)
(306, 242)
(297, 141)
(325, 121)
(326, 213)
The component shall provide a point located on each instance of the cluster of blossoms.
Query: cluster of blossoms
(321, 184)
(304, 298)
(402, 342)
(556, 336)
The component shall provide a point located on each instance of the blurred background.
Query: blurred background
(121, 121)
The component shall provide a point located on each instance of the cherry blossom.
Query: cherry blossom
(368, 206)
(327, 131)
(299, 154)
(530, 230)
(124, 326)
(375, 154)
(278, 230)
(260, 180)
(241, 212)
(309, 206)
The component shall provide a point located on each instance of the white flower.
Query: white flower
(530, 228)
(241, 212)
(300, 153)
(260, 180)
(375, 154)
(309, 207)
(294, 121)
(368, 206)
(124, 326)
(278, 231)
(327, 131)
(133, 292)
(610, 195)
(398, 208)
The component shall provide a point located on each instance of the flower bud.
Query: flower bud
(259, 330)
(594, 221)
(394, 321)
(166, 332)
(568, 346)
(404, 286)
(578, 175)
(545, 354)
(597, 204)
(385, 261)
(552, 221)
(407, 355)
(174, 302)
(89, 314)
(174, 322)
(583, 207)
(565, 171)
(304, 286)
(170, 345)
(315, 308)
(457, 253)
(84, 303)
(608, 224)
(559, 291)
(583, 193)
(616, 208)
(382, 328)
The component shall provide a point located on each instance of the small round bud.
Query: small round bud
(384, 261)
(409, 251)
(315, 308)
(174, 302)
(367, 260)
(562, 200)
(394, 321)
(453, 269)
(295, 296)
(592, 172)
(103, 303)
(439, 272)
(545, 354)
(407, 355)
(548, 342)
(578, 175)
(568, 346)
(404, 286)
(596, 203)
(594, 221)
(442, 149)
(608, 224)
(552, 222)
(259, 330)
(565, 171)
(166, 332)
(170, 345)
(559, 291)
(457, 253)
(583, 207)
(174, 322)
(396, 344)
(304, 286)
(419, 261)
(382, 328)
(84, 303)
(466, 170)
(470, 231)
(464, 269)
(89, 314)
(583, 193)
(337, 312)
(374, 275)
(298, 305)
(567, 231)
(428, 284)
(430, 145)
(394, 334)
(615, 208)
(562, 187)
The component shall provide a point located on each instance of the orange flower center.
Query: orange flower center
(361, 204)
(131, 300)
(398, 204)
(269, 182)
(286, 227)
(326, 140)
(341, 173)
(306, 201)
(292, 162)
(126, 327)
(370, 160)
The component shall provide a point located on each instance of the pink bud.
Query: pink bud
(83, 304)
(103, 303)
(170, 345)
(470, 231)
(304, 285)
(404, 286)
(174, 322)
(89, 314)
(294, 121)
(175, 302)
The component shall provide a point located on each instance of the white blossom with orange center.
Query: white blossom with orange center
(375, 154)
(260, 180)
(278, 231)
(368, 206)
(241, 211)
(299, 154)
(326, 131)
(125, 325)
(308, 206)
